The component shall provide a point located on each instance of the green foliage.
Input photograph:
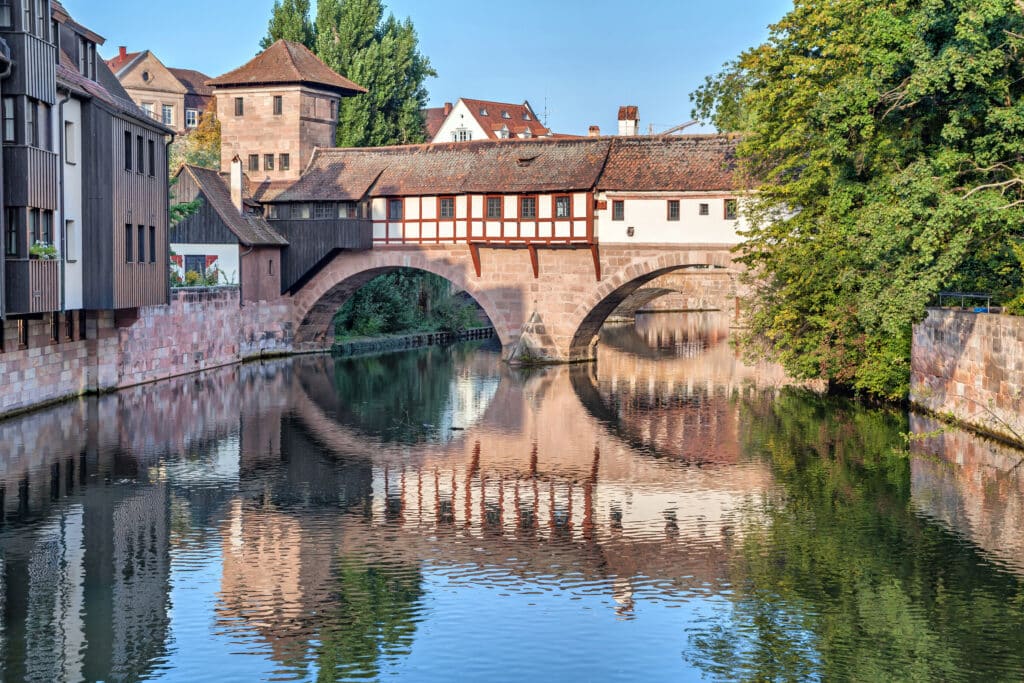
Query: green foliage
(403, 302)
(181, 210)
(1015, 306)
(43, 250)
(888, 137)
(289, 20)
(200, 146)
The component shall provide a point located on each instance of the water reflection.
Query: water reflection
(436, 512)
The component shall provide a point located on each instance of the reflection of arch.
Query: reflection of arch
(590, 315)
(319, 301)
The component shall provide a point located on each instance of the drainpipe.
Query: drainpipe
(63, 221)
(167, 213)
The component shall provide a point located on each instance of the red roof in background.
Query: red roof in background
(286, 62)
(199, 94)
(433, 119)
(692, 163)
(629, 113)
(119, 62)
(492, 116)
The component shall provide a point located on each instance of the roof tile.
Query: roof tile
(251, 230)
(287, 62)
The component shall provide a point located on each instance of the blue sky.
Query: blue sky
(582, 58)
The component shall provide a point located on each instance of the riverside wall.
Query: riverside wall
(200, 329)
(971, 367)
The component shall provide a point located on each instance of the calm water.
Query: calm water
(668, 514)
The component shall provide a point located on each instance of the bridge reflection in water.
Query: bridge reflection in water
(316, 512)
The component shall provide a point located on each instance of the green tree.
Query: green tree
(382, 55)
(289, 20)
(884, 143)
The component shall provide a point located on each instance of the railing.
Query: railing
(945, 299)
(33, 286)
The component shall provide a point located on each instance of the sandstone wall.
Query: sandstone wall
(200, 329)
(971, 366)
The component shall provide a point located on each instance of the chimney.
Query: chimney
(447, 108)
(595, 131)
(122, 51)
(629, 120)
(236, 182)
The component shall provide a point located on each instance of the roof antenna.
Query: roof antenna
(545, 108)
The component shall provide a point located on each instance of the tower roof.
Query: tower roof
(287, 63)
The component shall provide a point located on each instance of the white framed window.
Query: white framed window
(149, 109)
(167, 115)
(69, 143)
(191, 118)
(325, 210)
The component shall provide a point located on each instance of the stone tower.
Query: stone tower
(276, 109)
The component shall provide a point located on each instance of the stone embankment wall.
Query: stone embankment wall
(200, 329)
(971, 367)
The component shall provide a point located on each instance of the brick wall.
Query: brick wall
(971, 367)
(200, 329)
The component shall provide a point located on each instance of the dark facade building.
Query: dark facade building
(85, 200)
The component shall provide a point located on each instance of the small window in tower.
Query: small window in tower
(278, 105)
(254, 162)
(284, 162)
(705, 209)
(673, 209)
(239, 106)
(268, 162)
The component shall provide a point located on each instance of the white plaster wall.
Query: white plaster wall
(459, 117)
(71, 249)
(649, 219)
(227, 259)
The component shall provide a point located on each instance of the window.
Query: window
(278, 105)
(527, 207)
(167, 115)
(128, 243)
(11, 232)
(270, 267)
(618, 210)
(70, 241)
(45, 130)
(91, 60)
(563, 207)
(6, 14)
(462, 135)
(191, 118)
(239, 106)
(152, 244)
(673, 209)
(69, 143)
(730, 209)
(705, 210)
(141, 151)
(31, 127)
(33, 226)
(495, 207)
(152, 159)
(284, 162)
(46, 227)
(254, 162)
(395, 209)
(150, 111)
(9, 120)
(483, 111)
(446, 207)
(526, 116)
(23, 334)
(324, 211)
(268, 162)
(142, 244)
(55, 327)
(55, 32)
(128, 151)
(27, 23)
(348, 210)
(69, 326)
(43, 19)
(505, 115)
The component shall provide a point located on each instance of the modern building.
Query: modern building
(469, 120)
(175, 97)
(85, 207)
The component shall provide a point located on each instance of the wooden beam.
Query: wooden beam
(597, 260)
(474, 252)
(533, 260)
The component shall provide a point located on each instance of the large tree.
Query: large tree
(383, 56)
(289, 20)
(885, 142)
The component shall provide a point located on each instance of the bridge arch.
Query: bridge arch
(626, 285)
(318, 301)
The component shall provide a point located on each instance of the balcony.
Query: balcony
(311, 242)
(30, 177)
(33, 286)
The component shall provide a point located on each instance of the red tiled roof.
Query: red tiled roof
(684, 163)
(250, 229)
(433, 119)
(119, 62)
(198, 94)
(494, 119)
(629, 113)
(286, 62)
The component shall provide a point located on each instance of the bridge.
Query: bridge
(550, 237)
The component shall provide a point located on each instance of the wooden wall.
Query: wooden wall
(260, 280)
(203, 227)
(312, 242)
(31, 177)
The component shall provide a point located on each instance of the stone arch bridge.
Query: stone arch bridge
(553, 316)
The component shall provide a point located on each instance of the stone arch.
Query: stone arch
(590, 315)
(320, 299)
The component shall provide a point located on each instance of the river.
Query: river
(666, 514)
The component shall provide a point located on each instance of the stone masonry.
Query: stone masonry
(200, 329)
(971, 367)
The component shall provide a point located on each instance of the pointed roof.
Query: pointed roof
(250, 229)
(121, 61)
(286, 62)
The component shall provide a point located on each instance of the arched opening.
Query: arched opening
(392, 300)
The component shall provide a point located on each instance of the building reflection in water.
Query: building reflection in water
(329, 490)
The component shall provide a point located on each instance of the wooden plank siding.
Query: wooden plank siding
(311, 242)
(34, 286)
(205, 225)
(33, 73)
(31, 177)
(114, 197)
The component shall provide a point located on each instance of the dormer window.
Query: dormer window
(505, 115)
(483, 111)
(526, 116)
(87, 58)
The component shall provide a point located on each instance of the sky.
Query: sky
(576, 60)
